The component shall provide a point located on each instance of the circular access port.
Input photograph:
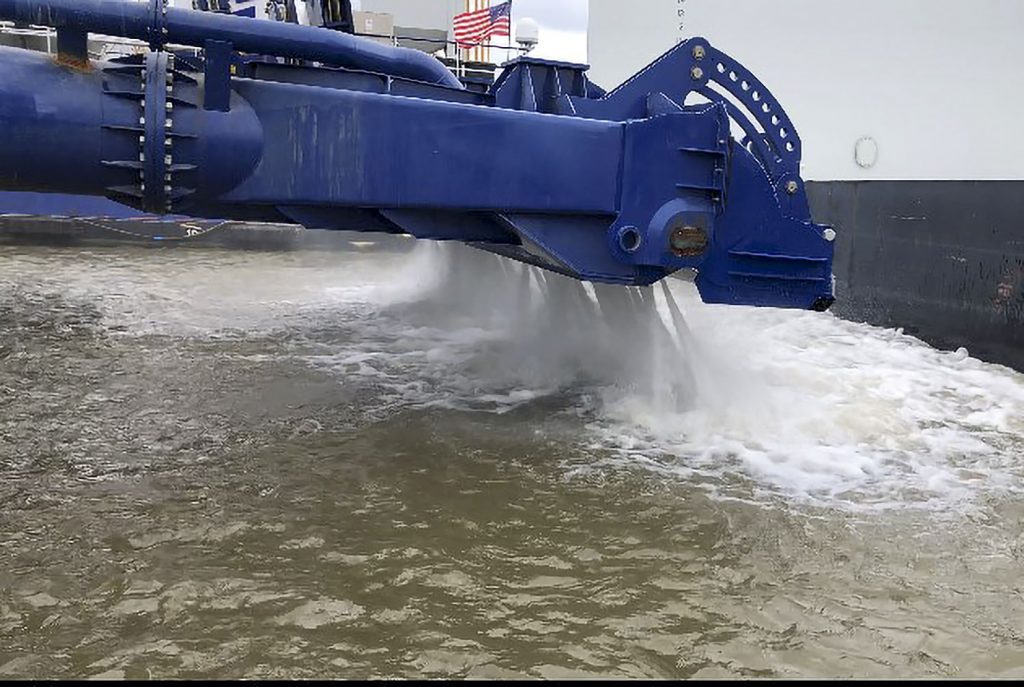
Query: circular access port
(629, 239)
(865, 152)
(688, 241)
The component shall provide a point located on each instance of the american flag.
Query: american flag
(473, 28)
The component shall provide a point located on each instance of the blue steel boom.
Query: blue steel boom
(623, 187)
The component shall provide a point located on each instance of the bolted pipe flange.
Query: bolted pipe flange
(154, 151)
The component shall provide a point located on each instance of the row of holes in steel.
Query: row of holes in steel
(765, 107)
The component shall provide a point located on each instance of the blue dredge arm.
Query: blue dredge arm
(625, 187)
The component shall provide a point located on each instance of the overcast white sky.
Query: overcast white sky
(563, 27)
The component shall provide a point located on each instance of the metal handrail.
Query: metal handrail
(421, 39)
(32, 30)
(11, 28)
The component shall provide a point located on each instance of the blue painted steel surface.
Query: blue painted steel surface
(623, 187)
(22, 203)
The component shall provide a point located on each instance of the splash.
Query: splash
(750, 403)
(754, 403)
(513, 329)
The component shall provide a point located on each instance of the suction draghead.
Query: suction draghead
(232, 118)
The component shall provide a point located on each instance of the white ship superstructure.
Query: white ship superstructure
(911, 89)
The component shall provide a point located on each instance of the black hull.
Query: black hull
(944, 260)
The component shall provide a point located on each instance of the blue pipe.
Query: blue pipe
(158, 26)
(621, 189)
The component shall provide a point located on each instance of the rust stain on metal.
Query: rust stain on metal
(688, 241)
(76, 63)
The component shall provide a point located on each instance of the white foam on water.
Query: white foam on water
(831, 412)
(473, 331)
(752, 402)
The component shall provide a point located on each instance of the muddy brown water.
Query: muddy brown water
(331, 464)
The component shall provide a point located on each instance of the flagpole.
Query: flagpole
(473, 50)
(486, 56)
(479, 50)
(511, 29)
(476, 48)
(465, 51)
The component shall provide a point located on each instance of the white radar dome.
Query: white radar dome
(527, 33)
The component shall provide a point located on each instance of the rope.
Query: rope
(192, 231)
